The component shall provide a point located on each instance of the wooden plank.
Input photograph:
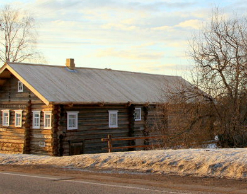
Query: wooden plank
(19, 137)
(11, 141)
(133, 138)
(134, 146)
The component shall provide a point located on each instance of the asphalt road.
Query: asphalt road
(42, 179)
(13, 183)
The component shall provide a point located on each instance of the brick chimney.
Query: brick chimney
(70, 64)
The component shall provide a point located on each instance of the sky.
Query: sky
(150, 36)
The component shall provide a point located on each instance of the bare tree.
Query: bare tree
(217, 105)
(17, 36)
(186, 118)
(220, 55)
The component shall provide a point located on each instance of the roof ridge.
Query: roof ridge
(37, 64)
(105, 69)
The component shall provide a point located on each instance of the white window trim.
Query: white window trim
(110, 113)
(42, 144)
(36, 127)
(18, 112)
(47, 113)
(76, 119)
(20, 86)
(140, 118)
(5, 111)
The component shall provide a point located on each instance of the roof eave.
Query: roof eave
(3, 67)
(103, 103)
(29, 86)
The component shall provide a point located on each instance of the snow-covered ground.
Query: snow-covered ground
(228, 163)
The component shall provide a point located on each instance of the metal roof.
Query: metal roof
(58, 84)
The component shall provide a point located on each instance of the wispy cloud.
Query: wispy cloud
(144, 45)
(167, 69)
(153, 33)
(130, 54)
(196, 24)
(119, 26)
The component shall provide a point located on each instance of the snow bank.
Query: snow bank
(228, 163)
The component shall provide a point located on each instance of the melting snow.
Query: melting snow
(228, 163)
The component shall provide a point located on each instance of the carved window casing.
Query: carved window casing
(138, 114)
(20, 86)
(72, 120)
(36, 119)
(18, 118)
(113, 118)
(47, 119)
(5, 118)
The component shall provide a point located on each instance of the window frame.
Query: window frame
(3, 112)
(20, 86)
(18, 112)
(74, 113)
(45, 122)
(113, 112)
(33, 123)
(140, 117)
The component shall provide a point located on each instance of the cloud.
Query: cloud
(129, 21)
(178, 44)
(58, 44)
(150, 5)
(143, 45)
(95, 15)
(130, 54)
(154, 32)
(119, 26)
(191, 23)
(56, 4)
(163, 28)
(196, 24)
(65, 24)
(165, 67)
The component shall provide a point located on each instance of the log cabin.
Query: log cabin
(66, 110)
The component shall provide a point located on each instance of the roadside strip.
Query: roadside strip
(70, 179)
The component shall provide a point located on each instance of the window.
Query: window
(137, 114)
(5, 118)
(20, 86)
(47, 119)
(36, 119)
(113, 118)
(18, 118)
(41, 144)
(72, 120)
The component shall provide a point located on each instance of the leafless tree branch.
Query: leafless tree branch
(18, 36)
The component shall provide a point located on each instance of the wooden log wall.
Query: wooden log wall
(27, 126)
(93, 124)
(12, 138)
(42, 141)
(139, 126)
(131, 112)
(156, 123)
(23, 139)
(153, 119)
(56, 112)
(9, 92)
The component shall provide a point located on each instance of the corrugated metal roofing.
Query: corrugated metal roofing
(87, 85)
